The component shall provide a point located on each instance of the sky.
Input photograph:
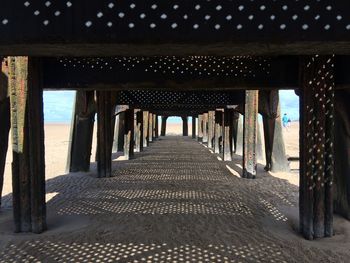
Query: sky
(58, 106)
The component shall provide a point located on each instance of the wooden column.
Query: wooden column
(118, 142)
(218, 131)
(150, 127)
(250, 134)
(104, 133)
(154, 123)
(129, 134)
(139, 131)
(200, 127)
(211, 129)
(205, 127)
(316, 146)
(228, 132)
(82, 128)
(235, 121)
(184, 126)
(275, 154)
(163, 128)
(27, 125)
(193, 127)
(5, 122)
(145, 128)
(342, 154)
(156, 127)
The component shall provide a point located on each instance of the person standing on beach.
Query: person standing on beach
(285, 120)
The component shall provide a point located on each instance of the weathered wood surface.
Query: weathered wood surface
(145, 128)
(205, 127)
(275, 153)
(164, 124)
(218, 130)
(184, 126)
(129, 134)
(316, 147)
(235, 123)
(194, 123)
(211, 129)
(250, 134)
(28, 166)
(5, 122)
(104, 133)
(82, 128)
(342, 154)
(118, 141)
(150, 127)
(156, 126)
(200, 127)
(139, 131)
(228, 133)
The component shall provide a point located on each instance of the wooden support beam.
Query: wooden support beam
(200, 127)
(139, 131)
(342, 154)
(228, 134)
(194, 127)
(145, 128)
(205, 127)
(184, 126)
(275, 153)
(235, 123)
(150, 127)
(129, 134)
(27, 125)
(316, 147)
(164, 122)
(5, 122)
(250, 134)
(118, 141)
(218, 131)
(82, 128)
(104, 133)
(211, 128)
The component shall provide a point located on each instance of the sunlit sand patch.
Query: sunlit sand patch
(239, 166)
(219, 158)
(120, 158)
(294, 180)
(211, 151)
(232, 171)
(49, 196)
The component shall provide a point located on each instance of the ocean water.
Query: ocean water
(58, 106)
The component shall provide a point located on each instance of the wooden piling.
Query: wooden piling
(194, 127)
(118, 141)
(82, 128)
(205, 128)
(250, 134)
(145, 128)
(139, 131)
(211, 129)
(218, 131)
(316, 146)
(150, 127)
(129, 134)
(200, 127)
(184, 126)
(27, 125)
(235, 120)
(5, 122)
(104, 133)
(228, 133)
(156, 127)
(164, 123)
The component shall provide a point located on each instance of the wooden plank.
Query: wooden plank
(194, 127)
(163, 128)
(82, 128)
(228, 133)
(129, 134)
(139, 131)
(184, 126)
(145, 128)
(104, 133)
(316, 142)
(28, 167)
(5, 120)
(250, 134)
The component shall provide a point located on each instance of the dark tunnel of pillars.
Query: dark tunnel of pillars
(324, 182)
